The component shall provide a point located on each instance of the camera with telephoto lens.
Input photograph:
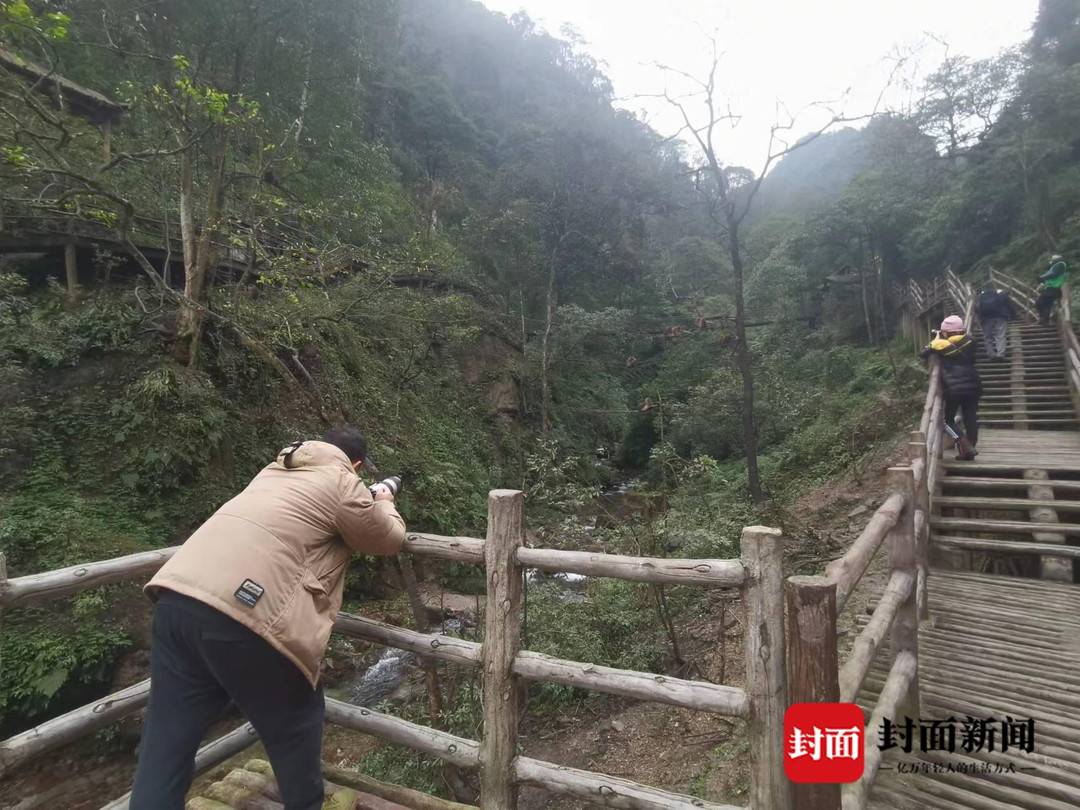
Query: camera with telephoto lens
(392, 484)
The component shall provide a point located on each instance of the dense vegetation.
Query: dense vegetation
(432, 220)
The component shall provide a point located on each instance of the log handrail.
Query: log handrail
(931, 395)
(23, 591)
(34, 588)
(901, 523)
(1023, 294)
(534, 666)
(848, 570)
(865, 646)
(77, 723)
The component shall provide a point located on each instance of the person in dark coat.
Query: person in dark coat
(960, 380)
(995, 310)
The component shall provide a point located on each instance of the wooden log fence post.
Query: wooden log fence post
(919, 455)
(503, 693)
(812, 665)
(766, 679)
(903, 556)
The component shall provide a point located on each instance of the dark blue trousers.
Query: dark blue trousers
(200, 662)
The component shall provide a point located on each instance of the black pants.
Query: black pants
(968, 407)
(200, 661)
(1046, 301)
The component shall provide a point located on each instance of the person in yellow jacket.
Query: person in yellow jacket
(243, 613)
(961, 382)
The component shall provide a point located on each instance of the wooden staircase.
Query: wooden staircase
(1002, 639)
(1029, 390)
(1015, 510)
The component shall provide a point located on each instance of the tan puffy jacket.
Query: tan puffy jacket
(274, 557)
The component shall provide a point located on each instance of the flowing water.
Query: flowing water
(382, 679)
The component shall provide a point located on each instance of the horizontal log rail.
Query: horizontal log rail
(659, 570)
(23, 591)
(454, 549)
(34, 588)
(848, 570)
(1023, 295)
(1007, 546)
(866, 644)
(77, 723)
(1025, 289)
(534, 666)
(464, 753)
(605, 790)
(439, 744)
(722, 573)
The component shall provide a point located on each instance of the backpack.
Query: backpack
(990, 304)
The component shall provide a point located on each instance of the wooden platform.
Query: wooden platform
(997, 647)
(1001, 450)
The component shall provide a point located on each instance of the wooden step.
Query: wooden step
(1005, 483)
(964, 502)
(1024, 414)
(1005, 546)
(1002, 368)
(1009, 376)
(1029, 396)
(1058, 373)
(1007, 400)
(1066, 463)
(1030, 421)
(1002, 526)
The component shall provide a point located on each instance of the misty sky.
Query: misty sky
(792, 51)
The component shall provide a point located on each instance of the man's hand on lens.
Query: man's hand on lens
(383, 493)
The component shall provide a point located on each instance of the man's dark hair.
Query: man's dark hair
(350, 440)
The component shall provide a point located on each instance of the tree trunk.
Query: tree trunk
(545, 346)
(305, 90)
(198, 250)
(745, 363)
(883, 323)
(866, 309)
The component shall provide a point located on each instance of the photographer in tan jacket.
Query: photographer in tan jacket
(244, 611)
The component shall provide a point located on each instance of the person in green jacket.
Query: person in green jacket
(1050, 289)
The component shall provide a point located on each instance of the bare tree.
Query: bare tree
(730, 192)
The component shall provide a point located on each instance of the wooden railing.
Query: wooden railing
(1022, 294)
(901, 525)
(1070, 344)
(504, 666)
